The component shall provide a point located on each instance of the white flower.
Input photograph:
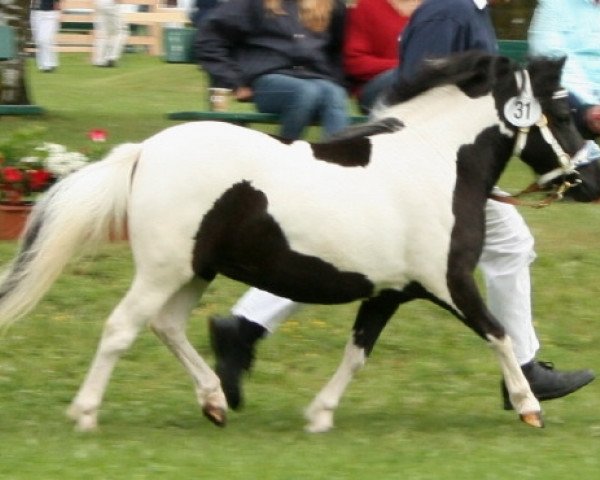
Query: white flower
(61, 162)
(52, 148)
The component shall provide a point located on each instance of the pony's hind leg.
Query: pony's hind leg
(372, 317)
(170, 327)
(142, 303)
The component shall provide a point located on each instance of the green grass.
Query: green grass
(426, 406)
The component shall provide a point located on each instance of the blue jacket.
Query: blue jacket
(441, 27)
(570, 28)
(239, 41)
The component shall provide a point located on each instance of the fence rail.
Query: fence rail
(77, 25)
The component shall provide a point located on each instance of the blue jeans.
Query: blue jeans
(299, 101)
(374, 87)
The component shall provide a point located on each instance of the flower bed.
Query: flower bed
(29, 167)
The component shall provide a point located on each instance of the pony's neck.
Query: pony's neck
(440, 105)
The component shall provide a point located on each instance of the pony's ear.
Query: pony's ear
(480, 79)
(503, 66)
(546, 73)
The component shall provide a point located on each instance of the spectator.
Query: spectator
(111, 32)
(436, 28)
(371, 45)
(45, 23)
(199, 10)
(282, 54)
(571, 29)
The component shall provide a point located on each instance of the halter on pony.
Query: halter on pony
(524, 112)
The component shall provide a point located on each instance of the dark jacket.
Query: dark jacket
(438, 28)
(239, 41)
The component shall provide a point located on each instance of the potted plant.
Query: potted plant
(28, 167)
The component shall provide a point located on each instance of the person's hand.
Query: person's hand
(592, 118)
(243, 94)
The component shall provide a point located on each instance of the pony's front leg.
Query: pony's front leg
(372, 317)
(476, 315)
(170, 327)
(320, 412)
(519, 391)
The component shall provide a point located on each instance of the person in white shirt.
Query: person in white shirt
(45, 22)
(110, 31)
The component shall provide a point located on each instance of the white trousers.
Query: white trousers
(111, 32)
(505, 260)
(44, 27)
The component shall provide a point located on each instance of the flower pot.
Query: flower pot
(12, 220)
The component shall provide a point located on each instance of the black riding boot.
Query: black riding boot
(547, 383)
(233, 339)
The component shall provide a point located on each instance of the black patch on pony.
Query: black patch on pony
(375, 312)
(474, 181)
(352, 146)
(473, 72)
(241, 240)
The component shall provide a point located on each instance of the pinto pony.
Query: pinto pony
(387, 213)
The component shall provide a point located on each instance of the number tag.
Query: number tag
(523, 111)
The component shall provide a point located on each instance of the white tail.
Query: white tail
(80, 211)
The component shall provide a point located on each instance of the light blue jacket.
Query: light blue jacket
(570, 28)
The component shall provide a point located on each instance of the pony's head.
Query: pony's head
(532, 108)
(548, 140)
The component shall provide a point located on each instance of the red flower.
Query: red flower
(12, 175)
(38, 179)
(98, 135)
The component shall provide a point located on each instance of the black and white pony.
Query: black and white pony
(387, 213)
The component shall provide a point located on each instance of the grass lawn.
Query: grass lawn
(426, 406)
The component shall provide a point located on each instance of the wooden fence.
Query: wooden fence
(146, 24)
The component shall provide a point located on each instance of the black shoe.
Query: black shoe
(232, 340)
(547, 383)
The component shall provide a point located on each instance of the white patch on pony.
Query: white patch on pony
(320, 412)
(517, 385)
(366, 219)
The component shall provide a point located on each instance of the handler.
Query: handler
(437, 28)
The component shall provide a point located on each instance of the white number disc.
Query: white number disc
(523, 111)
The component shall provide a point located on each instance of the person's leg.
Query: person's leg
(373, 88)
(117, 33)
(35, 32)
(53, 27)
(294, 99)
(100, 38)
(264, 308)
(332, 107)
(233, 338)
(505, 260)
(45, 29)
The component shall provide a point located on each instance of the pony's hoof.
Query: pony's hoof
(216, 415)
(319, 421)
(533, 419)
(84, 422)
(316, 428)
